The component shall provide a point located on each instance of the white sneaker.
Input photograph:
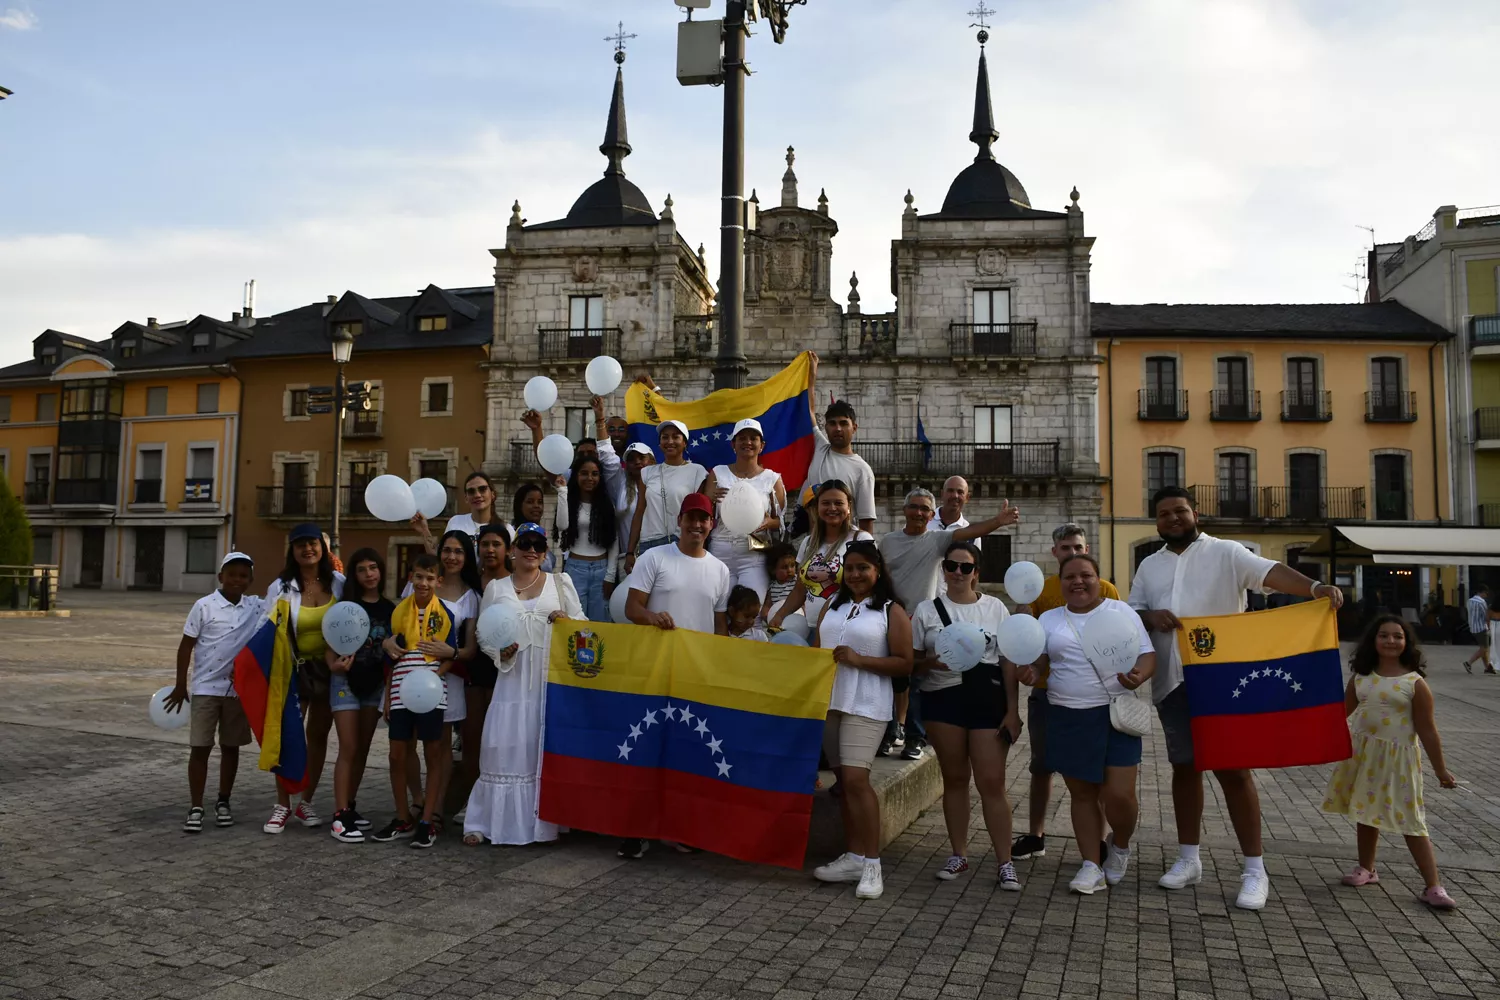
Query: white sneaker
(1182, 874)
(841, 869)
(1089, 880)
(870, 883)
(1115, 864)
(1254, 888)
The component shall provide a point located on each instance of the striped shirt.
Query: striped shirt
(1479, 614)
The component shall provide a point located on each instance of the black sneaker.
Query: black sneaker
(194, 821)
(222, 814)
(396, 829)
(632, 849)
(886, 746)
(425, 836)
(344, 830)
(359, 820)
(1028, 846)
(900, 734)
(913, 749)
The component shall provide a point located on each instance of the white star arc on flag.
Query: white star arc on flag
(684, 715)
(1267, 674)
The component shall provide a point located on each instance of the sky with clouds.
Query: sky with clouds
(157, 155)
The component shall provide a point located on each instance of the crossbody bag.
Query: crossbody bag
(1127, 713)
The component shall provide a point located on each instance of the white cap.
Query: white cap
(236, 557)
(748, 424)
(682, 427)
(640, 448)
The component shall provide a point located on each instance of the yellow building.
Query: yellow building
(1282, 420)
(123, 452)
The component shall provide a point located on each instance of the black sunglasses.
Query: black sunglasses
(531, 543)
(953, 566)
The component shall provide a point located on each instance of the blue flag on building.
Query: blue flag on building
(922, 438)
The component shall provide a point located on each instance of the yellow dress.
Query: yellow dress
(1381, 785)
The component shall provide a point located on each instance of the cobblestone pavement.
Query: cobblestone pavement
(102, 896)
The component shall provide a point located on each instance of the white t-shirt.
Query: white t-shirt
(1210, 577)
(987, 612)
(582, 546)
(221, 629)
(1072, 681)
(828, 464)
(677, 481)
(855, 691)
(687, 588)
(722, 543)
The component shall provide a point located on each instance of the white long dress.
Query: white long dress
(503, 803)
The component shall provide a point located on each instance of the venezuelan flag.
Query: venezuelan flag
(684, 736)
(1265, 689)
(780, 403)
(266, 683)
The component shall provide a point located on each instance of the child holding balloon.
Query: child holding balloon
(215, 631)
(355, 693)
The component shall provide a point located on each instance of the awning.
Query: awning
(1409, 546)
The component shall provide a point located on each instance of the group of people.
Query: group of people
(878, 605)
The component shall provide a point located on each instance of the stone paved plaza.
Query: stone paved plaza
(102, 896)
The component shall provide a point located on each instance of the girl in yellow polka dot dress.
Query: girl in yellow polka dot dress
(1381, 785)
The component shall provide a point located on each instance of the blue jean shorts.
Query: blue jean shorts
(1081, 743)
(341, 697)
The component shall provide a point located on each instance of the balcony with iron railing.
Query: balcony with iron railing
(1313, 503)
(1226, 501)
(912, 459)
(1234, 404)
(147, 491)
(1484, 331)
(1390, 407)
(1487, 427)
(523, 461)
(993, 340)
(563, 343)
(198, 491)
(1303, 405)
(37, 493)
(83, 493)
(1153, 404)
(1390, 505)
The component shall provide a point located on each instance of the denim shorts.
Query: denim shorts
(408, 725)
(1082, 743)
(341, 697)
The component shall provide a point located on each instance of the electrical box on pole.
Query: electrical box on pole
(700, 47)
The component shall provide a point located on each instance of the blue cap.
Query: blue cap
(304, 531)
(530, 528)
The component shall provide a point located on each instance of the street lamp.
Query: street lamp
(343, 349)
(730, 368)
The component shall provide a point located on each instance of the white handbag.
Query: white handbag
(1127, 713)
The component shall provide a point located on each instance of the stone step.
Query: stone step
(904, 788)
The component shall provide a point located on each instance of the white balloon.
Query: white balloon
(1024, 582)
(346, 626)
(603, 375)
(499, 627)
(1112, 640)
(960, 646)
(797, 624)
(785, 638)
(163, 718)
(617, 603)
(421, 691)
(430, 496)
(555, 452)
(390, 499)
(742, 509)
(540, 393)
(1022, 639)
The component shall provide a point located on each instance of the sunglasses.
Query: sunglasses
(953, 566)
(476, 491)
(531, 543)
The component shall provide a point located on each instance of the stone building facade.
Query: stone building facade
(987, 353)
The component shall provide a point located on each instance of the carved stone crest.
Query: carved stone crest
(991, 261)
(585, 269)
(788, 260)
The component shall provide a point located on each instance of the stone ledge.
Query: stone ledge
(904, 789)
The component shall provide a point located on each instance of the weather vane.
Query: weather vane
(620, 38)
(982, 15)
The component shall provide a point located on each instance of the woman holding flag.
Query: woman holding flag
(747, 568)
(299, 598)
(1098, 762)
(503, 803)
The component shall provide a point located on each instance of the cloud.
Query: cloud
(17, 19)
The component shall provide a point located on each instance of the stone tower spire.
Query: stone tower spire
(789, 181)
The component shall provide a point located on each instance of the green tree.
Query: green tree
(15, 539)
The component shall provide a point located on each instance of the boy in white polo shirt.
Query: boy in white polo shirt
(215, 631)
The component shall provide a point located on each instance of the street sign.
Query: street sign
(319, 407)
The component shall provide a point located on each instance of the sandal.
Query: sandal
(473, 839)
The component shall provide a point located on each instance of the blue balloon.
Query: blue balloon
(788, 638)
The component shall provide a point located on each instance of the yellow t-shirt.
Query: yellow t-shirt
(1051, 597)
(310, 642)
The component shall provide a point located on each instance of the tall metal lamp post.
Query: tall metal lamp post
(343, 349)
(730, 368)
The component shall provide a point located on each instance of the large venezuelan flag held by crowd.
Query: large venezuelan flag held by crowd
(1265, 689)
(266, 684)
(677, 735)
(780, 403)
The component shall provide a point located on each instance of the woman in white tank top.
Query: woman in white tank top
(747, 568)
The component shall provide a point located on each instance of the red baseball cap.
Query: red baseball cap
(698, 502)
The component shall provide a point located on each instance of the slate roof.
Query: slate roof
(304, 330)
(1327, 321)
